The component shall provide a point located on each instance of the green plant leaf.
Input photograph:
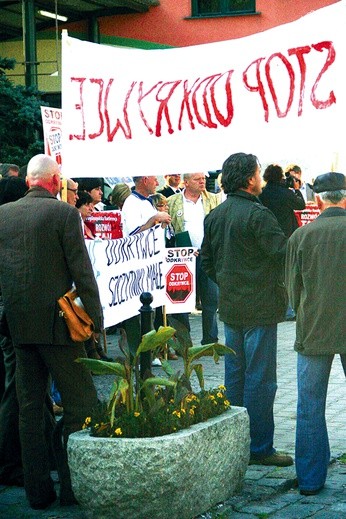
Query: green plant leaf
(101, 367)
(157, 381)
(198, 368)
(167, 368)
(154, 339)
(208, 350)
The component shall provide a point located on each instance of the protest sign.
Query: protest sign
(105, 224)
(307, 215)
(126, 267)
(180, 280)
(52, 132)
(277, 93)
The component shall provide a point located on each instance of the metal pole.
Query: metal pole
(146, 326)
(30, 53)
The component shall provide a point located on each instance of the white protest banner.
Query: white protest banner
(126, 267)
(152, 112)
(180, 280)
(52, 132)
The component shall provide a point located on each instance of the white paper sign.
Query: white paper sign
(180, 280)
(126, 267)
(52, 132)
(279, 93)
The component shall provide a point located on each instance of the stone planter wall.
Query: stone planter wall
(177, 476)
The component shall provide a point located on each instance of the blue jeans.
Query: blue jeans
(250, 380)
(312, 443)
(209, 294)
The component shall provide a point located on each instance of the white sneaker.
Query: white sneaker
(156, 362)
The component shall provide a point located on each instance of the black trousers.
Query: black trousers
(78, 395)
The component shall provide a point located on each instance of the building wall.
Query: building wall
(170, 23)
(167, 25)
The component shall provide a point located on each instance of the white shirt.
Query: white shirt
(136, 212)
(193, 220)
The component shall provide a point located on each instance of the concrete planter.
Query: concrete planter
(178, 476)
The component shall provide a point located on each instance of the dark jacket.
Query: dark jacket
(282, 202)
(243, 251)
(316, 283)
(42, 252)
(167, 191)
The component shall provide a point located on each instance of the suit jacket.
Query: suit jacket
(42, 252)
(167, 191)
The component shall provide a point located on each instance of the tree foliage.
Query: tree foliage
(20, 119)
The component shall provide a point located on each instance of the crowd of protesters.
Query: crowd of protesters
(254, 264)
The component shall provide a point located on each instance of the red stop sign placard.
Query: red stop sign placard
(179, 283)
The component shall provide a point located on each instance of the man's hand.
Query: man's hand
(163, 217)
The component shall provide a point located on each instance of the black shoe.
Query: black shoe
(42, 505)
(310, 492)
(104, 357)
(12, 481)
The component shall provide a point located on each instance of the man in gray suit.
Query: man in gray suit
(42, 252)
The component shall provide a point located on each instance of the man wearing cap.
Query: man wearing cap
(316, 283)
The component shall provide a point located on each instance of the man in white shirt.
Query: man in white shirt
(138, 212)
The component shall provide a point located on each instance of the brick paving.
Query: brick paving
(268, 491)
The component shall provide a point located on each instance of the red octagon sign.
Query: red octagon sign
(179, 283)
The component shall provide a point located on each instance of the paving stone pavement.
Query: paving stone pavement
(268, 491)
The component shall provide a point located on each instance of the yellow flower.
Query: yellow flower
(118, 431)
(227, 403)
(222, 388)
(192, 412)
(87, 421)
(219, 395)
(211, 397)
(176, 413)
(136, 414)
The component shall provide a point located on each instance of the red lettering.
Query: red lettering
(208, 123)
(163, 106)
(100, 82)
(329, 61)
(79, 106)
(225, 121)
(125, 127)
(299, 53)
(142, 96)
(186, 103)
(271, 86)
(258, 87)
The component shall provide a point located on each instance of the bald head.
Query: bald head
(43, 171)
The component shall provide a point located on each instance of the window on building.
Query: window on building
(222, 7)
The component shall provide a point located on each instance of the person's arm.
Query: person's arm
(295, 199)
(79, 265)
(293, 278)
(207, 257)
(160, 217)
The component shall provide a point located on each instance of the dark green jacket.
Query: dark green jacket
(316, 283)
(243, 252)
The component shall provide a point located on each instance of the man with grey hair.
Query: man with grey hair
(316, 283)
(188, 210)
(42, 253)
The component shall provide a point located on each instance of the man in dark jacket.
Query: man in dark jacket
(316, 282)
(243, 252)
(42, 252)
